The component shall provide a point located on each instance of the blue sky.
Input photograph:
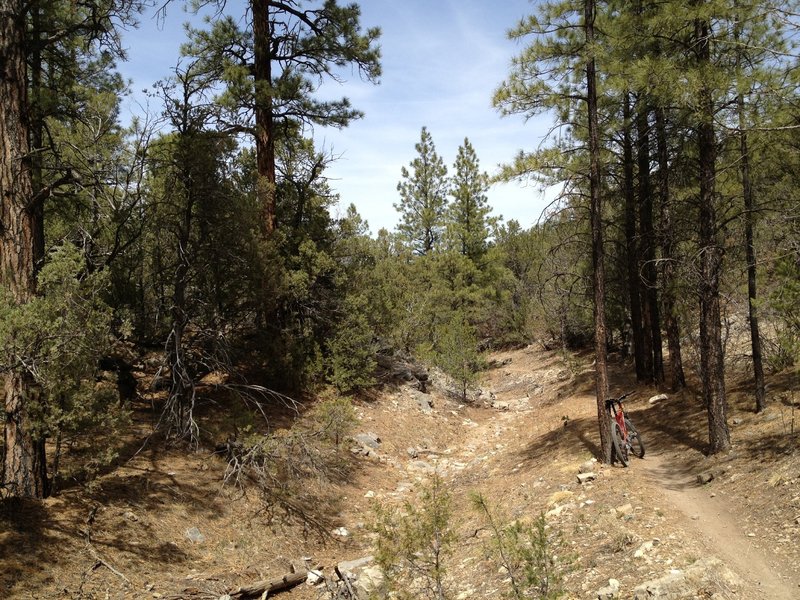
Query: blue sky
(442, 60)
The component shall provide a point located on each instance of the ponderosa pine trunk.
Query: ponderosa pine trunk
(750, 253)
(631, 245)
(265, 129)
(598, 250)
(650, 310)
(667, 243)
(24, 466)
(712, 359)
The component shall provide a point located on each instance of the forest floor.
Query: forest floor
(162, 525)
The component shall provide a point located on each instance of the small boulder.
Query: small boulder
(586, 477)
(370, 439)
(704, 478)
(314, 577)
(623, 510)
(657, 399)
(610, 591)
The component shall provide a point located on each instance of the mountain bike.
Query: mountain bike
(624, 437)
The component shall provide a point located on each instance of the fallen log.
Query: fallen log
(269, 586)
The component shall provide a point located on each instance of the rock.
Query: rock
(224, 597)
(671, 585)
(369, 494)
(425, 402)
(703, 577)
(412, 452)
(657, 399)
(421, 465)
(369, 583)
(704, 478)
(498, 405)
(586, 477)
(347, 567)
(623, 510)
(587, 467)
(555, 512)
(130, 515)
(365, 577)
(610, 591)
(643, 549)
(370, 440)
(315, 577)
(341, 532)
(737, 421)
(195, 536)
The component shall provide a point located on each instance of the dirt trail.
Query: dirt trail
(713, 517)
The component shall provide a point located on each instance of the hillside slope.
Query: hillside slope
(163, 526)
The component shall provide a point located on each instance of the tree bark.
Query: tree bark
(712, 360)
(750, 252)
(667, 242)
(631, 245)
(650, 310)
(265, 129)
(598, 251)
(24, 468)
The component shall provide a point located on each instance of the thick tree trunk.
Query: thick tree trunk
(650, 310)
(667, 241)
(750, 251)
(632, 261)
(24, 469)
(712, 360)
(265, 130)
(598, 251)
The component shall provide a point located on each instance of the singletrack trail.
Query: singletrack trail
(713, 515)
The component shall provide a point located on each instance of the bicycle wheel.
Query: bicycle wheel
(634, 439)
(619, 449)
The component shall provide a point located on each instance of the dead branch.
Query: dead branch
(99, 560)
(265, 588)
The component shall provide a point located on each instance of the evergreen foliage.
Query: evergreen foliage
(58, 338)
(423, 197)
(468, 222)
(413, 545)
(531, 553)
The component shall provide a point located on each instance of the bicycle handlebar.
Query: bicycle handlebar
(610, 401)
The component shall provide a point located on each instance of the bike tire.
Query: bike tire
(634, 439)
(619, 449)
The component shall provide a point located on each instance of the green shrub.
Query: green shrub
(414, 544)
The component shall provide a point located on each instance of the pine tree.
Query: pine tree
(563, 43)
(468, 223)
(57, 39)
(423, 197)
(272, 67)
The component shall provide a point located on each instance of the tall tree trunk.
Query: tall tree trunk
(712, 359)
(667, 241)
(265, 129)
(750, 253)
(24, 468)
(750, 250)
(598, 251)
(631, 246)
(651, 312)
